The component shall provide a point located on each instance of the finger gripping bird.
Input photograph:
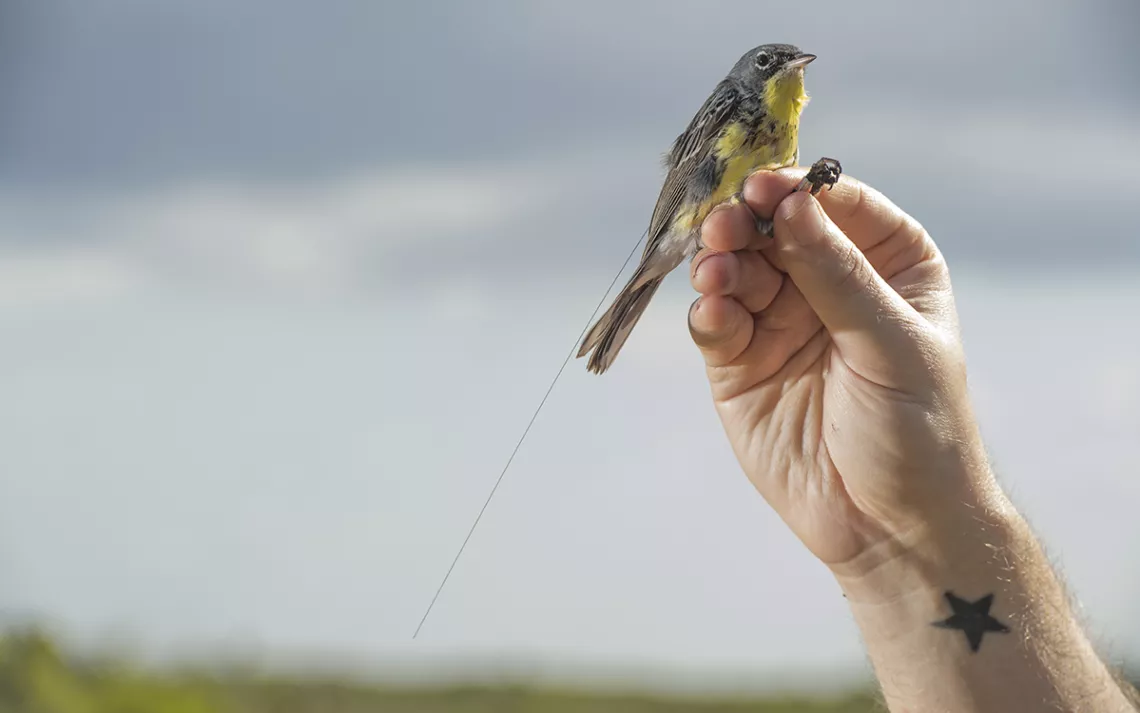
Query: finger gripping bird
(751, 121)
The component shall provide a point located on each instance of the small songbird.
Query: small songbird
(750, 122)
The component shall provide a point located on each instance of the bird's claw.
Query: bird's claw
(824, 172)
(764, 226)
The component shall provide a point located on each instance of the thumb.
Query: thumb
(866, 318)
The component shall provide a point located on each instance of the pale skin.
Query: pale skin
(834, 360)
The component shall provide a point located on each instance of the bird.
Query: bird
(749, 122)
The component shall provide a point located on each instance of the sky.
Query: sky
(282, 283)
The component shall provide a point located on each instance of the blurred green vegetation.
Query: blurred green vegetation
(36, 676)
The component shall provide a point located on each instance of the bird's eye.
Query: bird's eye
(763, 59)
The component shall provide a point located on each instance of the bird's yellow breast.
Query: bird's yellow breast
(741, 156)
(743, 149)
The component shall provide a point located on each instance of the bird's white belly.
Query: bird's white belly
(680, 245)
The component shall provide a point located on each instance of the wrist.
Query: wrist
(970, 539)
(964, 613)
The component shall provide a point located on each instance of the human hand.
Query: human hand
(834, 359)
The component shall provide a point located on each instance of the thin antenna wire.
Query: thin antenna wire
(524, 434)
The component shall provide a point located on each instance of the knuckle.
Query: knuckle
(939, 351)
(860, 203)
(854, 270)
(916, 227)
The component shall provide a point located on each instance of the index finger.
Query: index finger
(863, 213)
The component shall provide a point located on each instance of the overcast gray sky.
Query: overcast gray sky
(281, 283)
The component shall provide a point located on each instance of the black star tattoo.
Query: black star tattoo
(973, 618)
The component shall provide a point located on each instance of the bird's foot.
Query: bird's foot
(824, 172)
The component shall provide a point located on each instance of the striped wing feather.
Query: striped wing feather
(688, 151)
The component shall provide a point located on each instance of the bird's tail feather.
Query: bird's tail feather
(609, 333)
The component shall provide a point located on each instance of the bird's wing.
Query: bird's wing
(690, 148)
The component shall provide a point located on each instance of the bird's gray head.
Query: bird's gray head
(766, 62)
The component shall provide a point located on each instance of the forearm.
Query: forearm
(1031, 654)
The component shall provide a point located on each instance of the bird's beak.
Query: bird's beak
(800, 62)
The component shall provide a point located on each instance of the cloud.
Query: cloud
(985, 182)
(1003, 151)
(134, 92)
(67, 276)
(322, 235)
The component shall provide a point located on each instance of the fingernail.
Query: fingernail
(804, 218)
(716, 209)
(697, 266)
(693, 309)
